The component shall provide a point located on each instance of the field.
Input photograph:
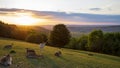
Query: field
(69, 59)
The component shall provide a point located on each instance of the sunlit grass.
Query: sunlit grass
(70, 58)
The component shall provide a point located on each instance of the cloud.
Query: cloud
(75, 17)
(109, 9)
(96, 9)
(83, 17)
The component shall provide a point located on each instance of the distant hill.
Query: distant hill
(89, 28)
(78, 30)
(41, 29)
(35, 28)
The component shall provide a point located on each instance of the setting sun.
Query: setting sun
(22, 19)
(27, 20)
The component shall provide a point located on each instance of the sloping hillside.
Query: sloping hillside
(69, 59)
(35, 28)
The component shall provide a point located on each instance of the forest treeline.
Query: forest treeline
(24, 33)
(96, 41)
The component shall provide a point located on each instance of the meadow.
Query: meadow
(69, 59)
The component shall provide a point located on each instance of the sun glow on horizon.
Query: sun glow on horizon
(22, 19)
(26, 20)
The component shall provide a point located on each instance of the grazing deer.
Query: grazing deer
(8, 46)
(6, 60)
(58, 53)
(31, 53)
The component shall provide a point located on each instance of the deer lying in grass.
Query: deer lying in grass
(31, 53)
(8, 46)
(6, 60)
(58, 53)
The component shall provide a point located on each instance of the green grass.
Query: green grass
(69, 59)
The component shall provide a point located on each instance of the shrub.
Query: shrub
(36, 38)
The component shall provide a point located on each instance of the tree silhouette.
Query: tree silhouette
(60, 36)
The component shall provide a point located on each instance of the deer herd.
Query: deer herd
(30, 53)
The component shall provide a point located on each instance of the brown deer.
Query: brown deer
(58, 53)
(6, 60)
(8, 46)
(30, 53)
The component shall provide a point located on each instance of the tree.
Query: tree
(73, 43)
(5, 30)
(95, 41)
(36, 38)
(111, 43)
(78, 43)
(59, 36)
(83, 41)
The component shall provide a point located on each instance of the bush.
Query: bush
(78, 43)
(36, 38)
(72, 44)
(82, 42)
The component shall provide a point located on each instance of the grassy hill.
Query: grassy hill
(70, 58)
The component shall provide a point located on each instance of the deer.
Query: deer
(30, 53)
(8, 46)
(6, 60)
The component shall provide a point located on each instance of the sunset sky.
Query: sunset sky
(49, 12)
